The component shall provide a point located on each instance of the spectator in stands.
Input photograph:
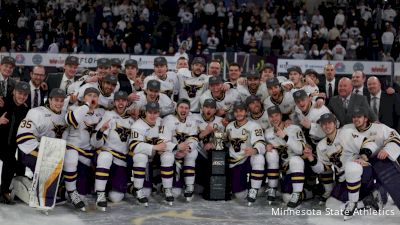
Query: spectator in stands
(387, 40)
(338, 52)
(339, 19)
(316, 20)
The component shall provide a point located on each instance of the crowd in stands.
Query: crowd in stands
(333, 30)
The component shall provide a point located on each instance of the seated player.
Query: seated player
(145, 146)
(246, 152)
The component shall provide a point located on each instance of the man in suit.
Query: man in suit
(38, 93)
(7, 83)
(64, 80)
(329, 84)
(358, 80)
(343, 105)
(130, 81)
(387, 107)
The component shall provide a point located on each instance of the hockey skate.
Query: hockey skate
(295, 200)
(271, 195)
(251, 196)
(188, 194)
(142, 199)
(349, 210)
(324, 197)
(374, 200)
(169, 198)
(76, 200)
(7, 199)
(101, 201)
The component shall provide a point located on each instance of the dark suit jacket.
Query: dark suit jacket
(11, 82)
(365, 91)
(345, 116)
(322, 88)
(43, 95)
(54, 80)
(125, 84)
(389, 110)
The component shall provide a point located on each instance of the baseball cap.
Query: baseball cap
(152, 106)
(299, 94)
(327, 117)
(57, 92)
(239, 105)
(311, 71)
(268, 66)
(215, 80)
(91, 90)
(103, 62)
(160, 61)
(154, 85)
(253, 74)
(8, 60)
(111, 78)
(131, 62)
(273, 109)
(272, 82)
(360, 111)
(183, 101)
(252, 98)
(199, 60)
(295, 69)
(120, 95)
(115, 62)
(210, 103)
(23, 86)
(71, 60)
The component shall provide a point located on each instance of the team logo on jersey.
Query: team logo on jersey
(152, 141)
(237, 143)
(123, 132)
(59, 129)
(334, 158)
(168, 92)
(192, 89)
(90, 128)
(181, 137)
(282, 151)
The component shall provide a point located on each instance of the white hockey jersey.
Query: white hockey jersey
(345, 147)
(82, 125)
(169, 86)
(294, 145)
(75, 86)
(216, 122)
(167, 106)
(192, 88)
(116, 138)
(385, 137)
(250, 135)
(226, 102)
(106, 102)
(261, 92)
(286, 105)
(40, 122)
(263, 120)
(313, 114)
(174, 132)
(144, 137)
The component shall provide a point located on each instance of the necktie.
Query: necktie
(357, 91)
(69, 82)
(3, 88)
(375, 105)
(36, 99)
(330, 91)
(345, 104)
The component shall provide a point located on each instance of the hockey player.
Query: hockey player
(169, 80)
(152, 94)
(257, 112)
(82, 121)
(224, 99)
(296, 76)
(246, 151)
(180, 132)
(253, 87)
(348, 152)
(194, 86)
(106, 88)
(306, 116)
(280, 98)
(41, 121)
(285, 144)
(145, 145)
(268, 72)
(112, 137)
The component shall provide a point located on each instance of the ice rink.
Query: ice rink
(197, 212)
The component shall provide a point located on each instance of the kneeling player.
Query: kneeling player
(348, 151)
(246, 151)
(145, 145)
(285, 147)
(82, 120)
(112, 137)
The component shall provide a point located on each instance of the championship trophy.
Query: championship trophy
(218, 183)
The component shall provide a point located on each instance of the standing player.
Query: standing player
(246, 151)
(284, 149)
(169, 80)
(146, 145)
(112, 137)
(257, 112)
(180, 132)
(254, 86)
(82, 121)
(279, 98)
(348, 152)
